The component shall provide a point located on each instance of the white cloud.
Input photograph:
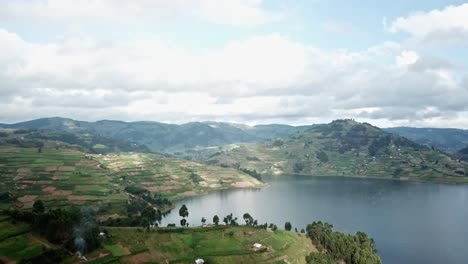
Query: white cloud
(229, 12)
(449, 24)
(258, 79)
(407, 58)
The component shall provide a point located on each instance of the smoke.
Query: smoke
(84, 231)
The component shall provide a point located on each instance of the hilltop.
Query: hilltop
(162, 137)
(346, 148)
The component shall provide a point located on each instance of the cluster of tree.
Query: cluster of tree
(353, 249)
(6, 197)
(195, 177)
(252, 173)
(156, 199)
(76, 229)
(298, 167)
(322, 156)
(378, 143)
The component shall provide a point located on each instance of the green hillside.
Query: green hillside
(462, 154)
(162, 137)
(38, 138)
(346, 148)
(64, 177)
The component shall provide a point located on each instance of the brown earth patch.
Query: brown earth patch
(51, 168)
(66, 168)
(62, 193)
(27, 198)
(23, 170)
(49, 189)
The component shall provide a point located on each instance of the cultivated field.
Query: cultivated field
(214, 245)
(69, 177)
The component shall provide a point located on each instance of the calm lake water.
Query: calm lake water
(410, 222)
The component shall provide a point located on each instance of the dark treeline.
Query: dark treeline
(75, 229)
(353, 249)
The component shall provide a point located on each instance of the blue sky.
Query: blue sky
(250, 61)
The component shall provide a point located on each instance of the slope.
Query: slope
(346, 148)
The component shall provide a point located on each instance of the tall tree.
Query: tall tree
(183, 212)
(38, 207)
(287, 226)
(216, 219)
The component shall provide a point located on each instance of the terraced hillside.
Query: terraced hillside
(346, 148)
(63, 177)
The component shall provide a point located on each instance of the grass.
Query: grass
(215, 245)
(16, 243)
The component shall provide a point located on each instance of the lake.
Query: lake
(410, 222)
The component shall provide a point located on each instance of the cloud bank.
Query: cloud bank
(265, 78)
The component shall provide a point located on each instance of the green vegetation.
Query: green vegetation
(446, 139)
(346, 148)
(186, 140)
(63, 177)
(213, 244)
(91, 143)
(352, 249)
(463, 154)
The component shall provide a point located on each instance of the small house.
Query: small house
(258, 247)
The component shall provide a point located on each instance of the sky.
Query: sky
(390, 63)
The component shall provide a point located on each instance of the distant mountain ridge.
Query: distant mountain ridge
(447, 139)
(346, 148)
(168, 138)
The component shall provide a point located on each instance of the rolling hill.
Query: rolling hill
(346, 148)
(166, 138)
(447, 139)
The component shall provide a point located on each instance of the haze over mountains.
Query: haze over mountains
(173, 138)
(162, 137)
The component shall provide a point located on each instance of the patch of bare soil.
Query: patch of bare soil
(66, 168)
(27, 198)
(62, 193)
(49, 189)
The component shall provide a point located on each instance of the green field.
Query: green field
(214, 245)
(17, 243)
(64, 177)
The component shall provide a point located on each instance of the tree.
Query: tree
(38, 207)
(216, 219)
(203, 220)
(183, 211)
(248, 219)
(287, 226)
